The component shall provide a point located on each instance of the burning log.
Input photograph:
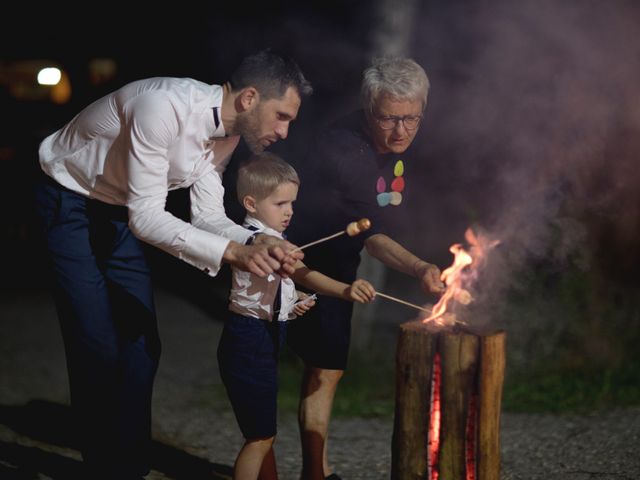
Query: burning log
(448, 399)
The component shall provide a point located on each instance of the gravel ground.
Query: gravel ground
(197, 438)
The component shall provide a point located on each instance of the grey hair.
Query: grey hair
(399, 77)
(261, 174)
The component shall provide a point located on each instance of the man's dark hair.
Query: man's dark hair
(271, 74)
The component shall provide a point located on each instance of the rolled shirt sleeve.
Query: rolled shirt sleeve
(207, 197)
(207, 209)
(134, 145)
(202, 244)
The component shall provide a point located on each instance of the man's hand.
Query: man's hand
(429, 276)
(282, 251)
(258, 259)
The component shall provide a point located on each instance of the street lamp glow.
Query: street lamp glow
(49, 76)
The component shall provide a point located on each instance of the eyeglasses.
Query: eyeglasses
(389, 122)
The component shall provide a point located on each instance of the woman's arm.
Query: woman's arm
(395, 256)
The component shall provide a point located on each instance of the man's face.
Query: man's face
(268, 121)
(388, 132)
(276, 210)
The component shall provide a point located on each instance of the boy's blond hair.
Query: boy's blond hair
(261, 174)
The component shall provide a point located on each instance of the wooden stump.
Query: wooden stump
(471, 368)
(413, 397)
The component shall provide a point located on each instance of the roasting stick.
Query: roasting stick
(389, 297)
(319, 241)
(353, 229)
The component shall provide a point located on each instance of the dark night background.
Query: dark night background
(531, 133)
(332, 42)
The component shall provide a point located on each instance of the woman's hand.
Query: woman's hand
(429, 276)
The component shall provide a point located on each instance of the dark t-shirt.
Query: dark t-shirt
(343, 179)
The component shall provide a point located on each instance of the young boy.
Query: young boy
(259, 309)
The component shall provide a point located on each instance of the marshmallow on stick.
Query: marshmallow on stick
(353, 229)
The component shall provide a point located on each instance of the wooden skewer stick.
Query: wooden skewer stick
(320, 241)
(353, 229)
(389, 297)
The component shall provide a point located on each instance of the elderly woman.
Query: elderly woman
(359, 167)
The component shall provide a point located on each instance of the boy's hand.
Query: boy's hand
(361, 291)
(280, 250)
(304, 304)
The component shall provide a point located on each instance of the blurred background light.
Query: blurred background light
(49, 76)
(102, 70)
(35, 80)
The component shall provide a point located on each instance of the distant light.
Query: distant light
(49, 76)
(102, 70)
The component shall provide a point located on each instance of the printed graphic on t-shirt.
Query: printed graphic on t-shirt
(393, 197)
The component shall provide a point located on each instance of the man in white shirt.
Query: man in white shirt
(108, 173)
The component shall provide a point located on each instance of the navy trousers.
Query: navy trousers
(103, 295)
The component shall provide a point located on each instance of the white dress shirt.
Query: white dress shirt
(253, 296)
(134, 145)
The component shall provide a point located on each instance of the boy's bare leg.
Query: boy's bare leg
(250, 460)
(316, 400)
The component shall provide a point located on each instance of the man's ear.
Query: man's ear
(249, 203)
(248, 99)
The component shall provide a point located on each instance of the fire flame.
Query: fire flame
(462, 272)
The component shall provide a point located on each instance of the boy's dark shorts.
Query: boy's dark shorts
(248, 363)
(321, 336)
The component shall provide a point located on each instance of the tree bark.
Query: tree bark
(414, 361)
(459, 360)
(471, 380)
(491, 379)
(394, 26)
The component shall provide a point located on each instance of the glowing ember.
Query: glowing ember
(459, 276)
(470, 438)
(434, 423)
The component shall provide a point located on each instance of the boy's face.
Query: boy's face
(276, 210)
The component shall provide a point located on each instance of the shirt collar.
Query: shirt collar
(254, 222)
(216, 128)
